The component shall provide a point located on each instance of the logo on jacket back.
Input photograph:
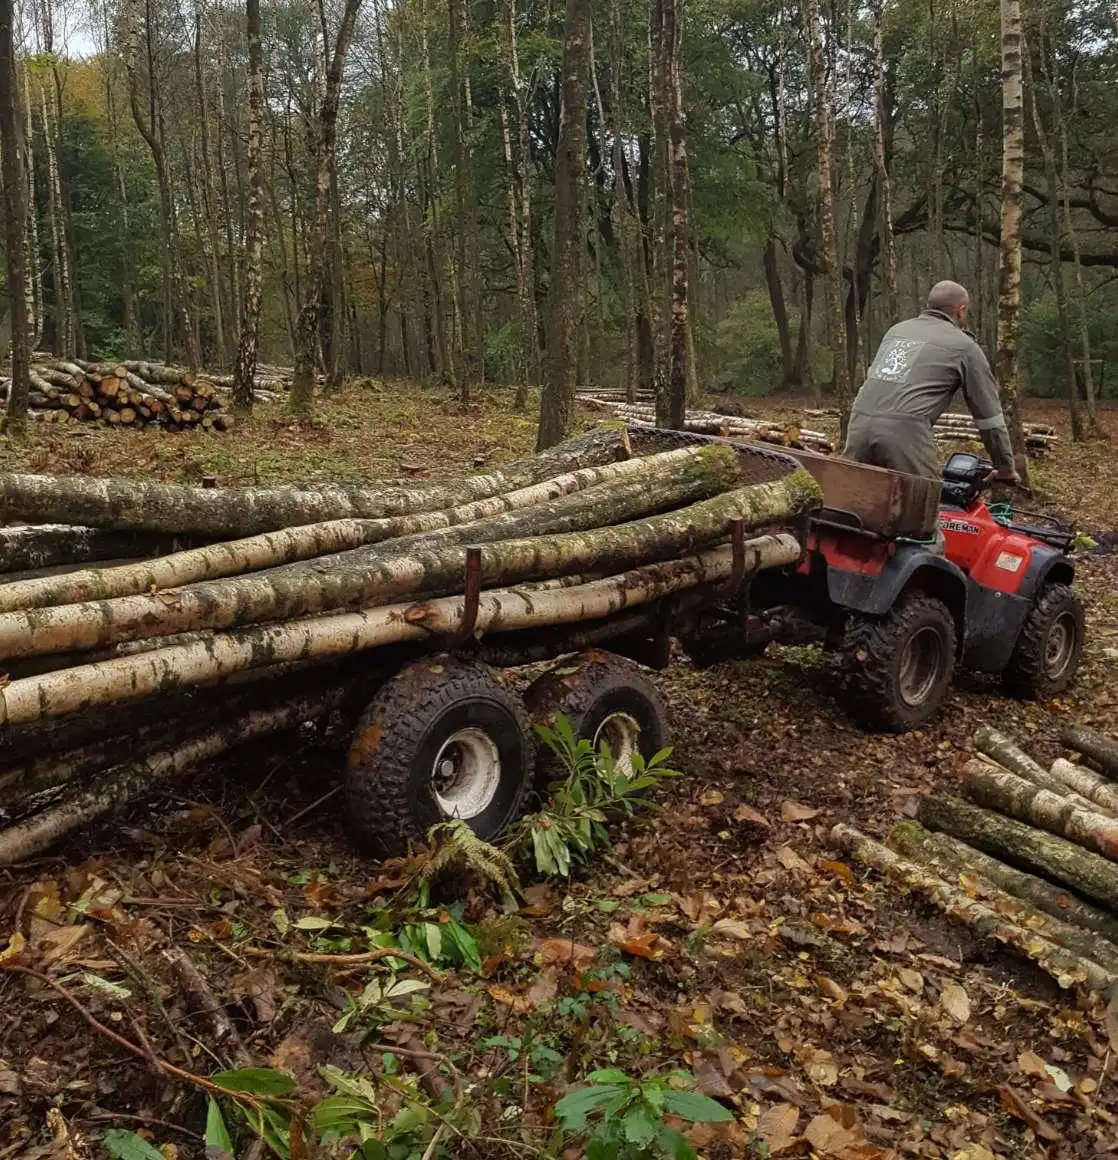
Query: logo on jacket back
(895, 358)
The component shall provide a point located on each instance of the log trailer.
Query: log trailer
(907, 588)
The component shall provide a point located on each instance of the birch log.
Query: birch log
(73, 690)
(1099, 747)
(1056, 858)
(375, 577)
(1027, 802)
(1089, 785)
(667, 475)
(1066, 967)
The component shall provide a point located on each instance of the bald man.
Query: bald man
(919, 366)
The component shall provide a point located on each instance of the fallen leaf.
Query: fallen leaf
(955, 1001)
(60, 943)
(541, 899)
(831, 989)
(711, 1077)
(792, 811)
(746, 813)
(1031, 1064)
(1088, 1086)
(698, 907)
(840, 870)
(711, 797)
(630, 887)
(521, 1004)
(1059, 1077)
(974, 1152)
(821, 1068)
(637, 940)
(777, 1127)
(16, 945)
(733, 928)
(913, 980)
(729, 1133)
(545, 988)
(1014, 1105)
(790, 860)
(563, 951)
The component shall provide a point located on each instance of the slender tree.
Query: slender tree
(566, 288)
(244, 367)
(11, 175)
(1013, 174)
(672, 96)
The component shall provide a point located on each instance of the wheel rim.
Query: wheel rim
(466, 773)
(921, 663)
(1059, 648)
(622, 733)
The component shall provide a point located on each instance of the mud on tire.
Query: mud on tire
(603, 696)
(1045, 660)
(444, 738)
(898, 667)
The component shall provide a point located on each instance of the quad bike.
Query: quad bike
(989, 591)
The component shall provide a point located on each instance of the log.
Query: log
(671, 474)
(122, 785)
(371, 576)
(1030, 902)
(1056, 858)
(219, 1029)
(1008, 755)
(46, 546)
(133, 505)
(1101, 748)
(1027, 802)
(127, 678)
(1091, 786)
(1066, 967)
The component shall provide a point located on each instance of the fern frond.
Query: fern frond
(454, 844)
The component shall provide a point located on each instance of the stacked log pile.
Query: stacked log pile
(712, 423)
(265, 584)
(955, 427)
(130, 394)
(1029, 857)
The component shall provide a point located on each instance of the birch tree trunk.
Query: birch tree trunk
(882, 135)
(301, 398)
(244, 367)
(1013, 173)
(831, 262)
(566, 295)
(64, 330)
(12, 182)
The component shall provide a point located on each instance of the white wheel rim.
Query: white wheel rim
(622, 734)
(466, 773)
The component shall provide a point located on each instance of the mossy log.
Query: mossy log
(1027, 802)
(374, 576)
(28, 548)
(1005, 752)
(1029, 901)
(1101, 748)
(1056, 858)
(77, 689)
(1065, 966)
(674, 476)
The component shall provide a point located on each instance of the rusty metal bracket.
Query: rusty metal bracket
(732, 586)
(471, 595)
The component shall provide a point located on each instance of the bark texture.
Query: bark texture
(1056, 858)
(1100, 747)
(1100, 791)
(1065, 966)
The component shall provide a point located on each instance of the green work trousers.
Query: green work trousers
(898, 442)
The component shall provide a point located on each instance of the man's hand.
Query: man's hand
(1004, 475)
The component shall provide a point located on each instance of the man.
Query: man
(918, 368)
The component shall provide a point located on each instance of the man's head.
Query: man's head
(951, 299)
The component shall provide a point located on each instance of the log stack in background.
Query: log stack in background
(1028, 857)
(271, 586)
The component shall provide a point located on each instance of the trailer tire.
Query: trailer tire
(444, 738)
(604, 697)
(899, 666)
(1045, 660)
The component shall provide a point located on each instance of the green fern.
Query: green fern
(454, 844)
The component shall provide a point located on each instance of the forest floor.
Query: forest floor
(721, 934)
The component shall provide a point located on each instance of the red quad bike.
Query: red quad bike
(992, 593)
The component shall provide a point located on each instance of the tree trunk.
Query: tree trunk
(1056, 858)
(780, 311)
(301, 397)
(823, 93)
(12, 181)
(33, 290)
(64, 328)
(26, 549)
(567, 290)
(577, 538)
(223, 654)
(1100, 791)
(1101, 748)
(244, 368)
(1007, 755)
(1066, 967)
(881, 151)
(672, 98)
(950, 857)
(1013, 173)
(134, 505)
(665, 472)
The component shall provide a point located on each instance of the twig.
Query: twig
(347, 960)
(417, 1053)
(109, 1117)
(429, 1151)
(253, 1100)
(313, 806)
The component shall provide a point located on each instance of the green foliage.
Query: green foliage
(371, 1005)
(453, 845)
(745, 356)
(572, 823)
(629, 1115)
(126, 1145)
